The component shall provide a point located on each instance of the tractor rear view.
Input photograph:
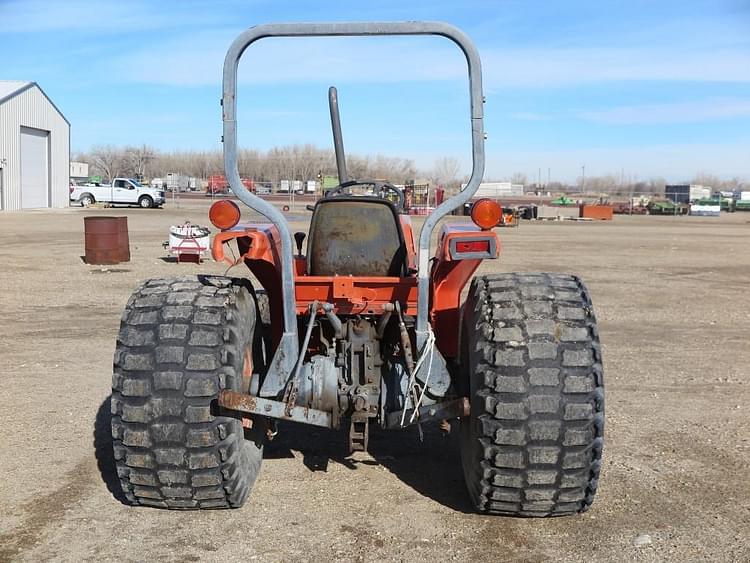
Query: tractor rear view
(359, 324)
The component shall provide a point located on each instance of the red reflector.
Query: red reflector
(473, 246)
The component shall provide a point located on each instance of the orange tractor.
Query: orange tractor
(364, 326)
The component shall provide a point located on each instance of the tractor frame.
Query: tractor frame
(430, 294)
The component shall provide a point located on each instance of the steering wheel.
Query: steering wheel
(377, 185)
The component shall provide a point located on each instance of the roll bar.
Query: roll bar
(229, 102)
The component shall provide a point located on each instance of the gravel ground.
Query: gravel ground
(671, 298)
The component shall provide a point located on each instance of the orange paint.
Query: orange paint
(259, 247)
(600, 212)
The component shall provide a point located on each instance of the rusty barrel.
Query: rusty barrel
(107, 240)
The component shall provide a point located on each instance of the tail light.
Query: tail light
(224, 214)
(476, 246)
(486, 213)
(473, 246)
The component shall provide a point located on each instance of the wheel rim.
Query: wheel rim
(145, 202)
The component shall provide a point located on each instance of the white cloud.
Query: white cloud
(679, 112)
(197, 60)
(572, 67)
(192, 48)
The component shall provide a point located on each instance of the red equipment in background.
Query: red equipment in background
(217, 184)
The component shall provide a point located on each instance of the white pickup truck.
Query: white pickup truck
(122, 191)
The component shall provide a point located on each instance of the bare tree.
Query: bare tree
(602, 184)
(445, 172)
(80, 156)
(249, 163)
(294, 162)
(709, 180)
(136, 160)
(305, 162)
(107, 160)
(656, 185)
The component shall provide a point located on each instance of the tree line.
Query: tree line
(296, 162)
(305, 162)
(627, 185)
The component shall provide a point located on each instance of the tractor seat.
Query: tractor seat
(357, 236)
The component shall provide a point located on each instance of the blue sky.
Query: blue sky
(648, 88)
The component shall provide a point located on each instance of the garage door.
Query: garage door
(34, 168)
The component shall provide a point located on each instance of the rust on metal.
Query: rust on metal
(237, 401)
(231, 400)
(106, 240)
(247, 376)
(247, 366)
(358, 238)
(356, 295)
(247, 369)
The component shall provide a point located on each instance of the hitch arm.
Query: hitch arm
(233, 401)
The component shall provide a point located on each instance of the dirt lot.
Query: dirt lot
(671, 298)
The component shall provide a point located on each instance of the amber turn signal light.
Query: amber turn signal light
(224, 214)
(486, 214)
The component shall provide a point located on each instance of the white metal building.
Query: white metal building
(497, 189)
(79, 171)
(34, 149)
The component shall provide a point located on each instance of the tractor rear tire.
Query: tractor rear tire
(533, 443)
(181, 341)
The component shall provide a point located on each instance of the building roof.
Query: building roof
(11, 88)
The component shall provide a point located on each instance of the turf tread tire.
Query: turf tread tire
(533, 443)
(180, 342)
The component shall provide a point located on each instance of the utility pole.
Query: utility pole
(583, 178)
(539, 179)
(291, 186)
(548, 175)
